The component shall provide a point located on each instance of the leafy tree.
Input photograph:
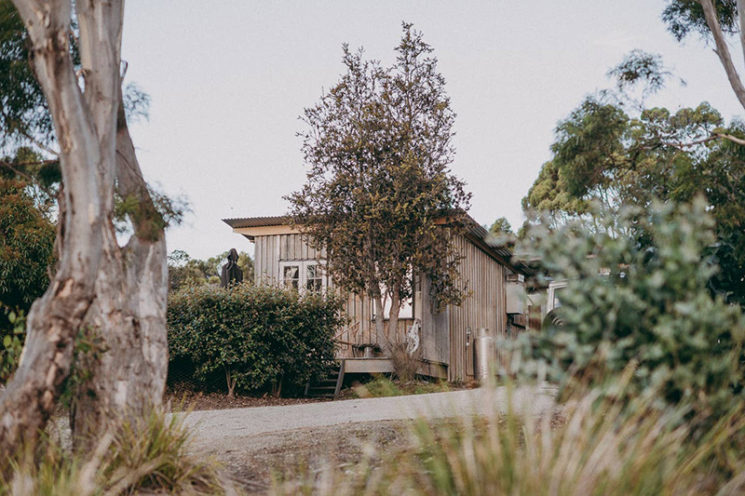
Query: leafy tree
(24, 117)
(11, 345)
(605, 159)
(26, 246)
(379, 147)
(501, 226)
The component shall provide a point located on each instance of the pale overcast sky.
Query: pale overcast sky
(228, 80)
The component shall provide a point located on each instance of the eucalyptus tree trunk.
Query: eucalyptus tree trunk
(127, 374)
(393, 337)
(118, 293)
(85, 125)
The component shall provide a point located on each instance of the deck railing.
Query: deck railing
(353, 339)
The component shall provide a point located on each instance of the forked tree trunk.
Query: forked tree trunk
(380, 335)
(129, 283)
(85, 126)
(393, 337)
(128, 315)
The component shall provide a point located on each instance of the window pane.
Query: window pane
(313, 278)
(314, 285)
(291, 276)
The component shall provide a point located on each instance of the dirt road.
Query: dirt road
(216, 427)
(253, 443)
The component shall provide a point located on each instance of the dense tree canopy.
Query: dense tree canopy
(501, 226)
(378, 145)
(606, 159)
(26, 247)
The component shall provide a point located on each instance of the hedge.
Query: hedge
(255, 338)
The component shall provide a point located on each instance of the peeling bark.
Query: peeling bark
(722, 49)
(117, 292)
(129, 313)
(54, 319)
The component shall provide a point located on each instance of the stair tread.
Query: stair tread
(328, 385)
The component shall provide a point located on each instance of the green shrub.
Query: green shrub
(11, 345)
(641, 297)
(257, 337)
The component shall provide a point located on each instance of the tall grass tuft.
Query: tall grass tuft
(592, 446)
(144, 456)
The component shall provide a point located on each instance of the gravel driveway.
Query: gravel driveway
(215, 427)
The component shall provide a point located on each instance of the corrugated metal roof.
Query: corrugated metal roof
(474, 228)
(239, 222)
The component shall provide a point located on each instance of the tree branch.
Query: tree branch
(29, 178)
(712, 137)
(733, 139)
(741, 18)
(38, 143)
(722, 50)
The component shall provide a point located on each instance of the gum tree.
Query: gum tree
(117, 294)
(713, 20)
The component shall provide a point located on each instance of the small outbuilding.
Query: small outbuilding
(495, 299)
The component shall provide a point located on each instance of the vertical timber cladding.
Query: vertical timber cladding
(272, 249)
(266, 260)
(483, 307)
(275, 248)
(435, 338)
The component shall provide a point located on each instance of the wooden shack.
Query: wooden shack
(282, 256)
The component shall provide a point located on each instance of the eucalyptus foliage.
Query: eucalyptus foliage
(642, 299)
(684, 17)
(25, 118)
(256, 337)
(26, 245)
(11, 345)
(607, 158)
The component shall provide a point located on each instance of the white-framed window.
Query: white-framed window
(303, 276)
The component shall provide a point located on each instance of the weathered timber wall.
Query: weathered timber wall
(443, 335)
(273, 249)
(483, 278)
(270, 250)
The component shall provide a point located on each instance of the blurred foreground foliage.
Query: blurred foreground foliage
(148, 455)
(642, 298)
(593, 446)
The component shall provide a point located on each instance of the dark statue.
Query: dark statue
(231, 273)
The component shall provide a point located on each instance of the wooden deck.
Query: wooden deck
(382, 365)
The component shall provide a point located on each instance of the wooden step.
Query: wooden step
(329, 386)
